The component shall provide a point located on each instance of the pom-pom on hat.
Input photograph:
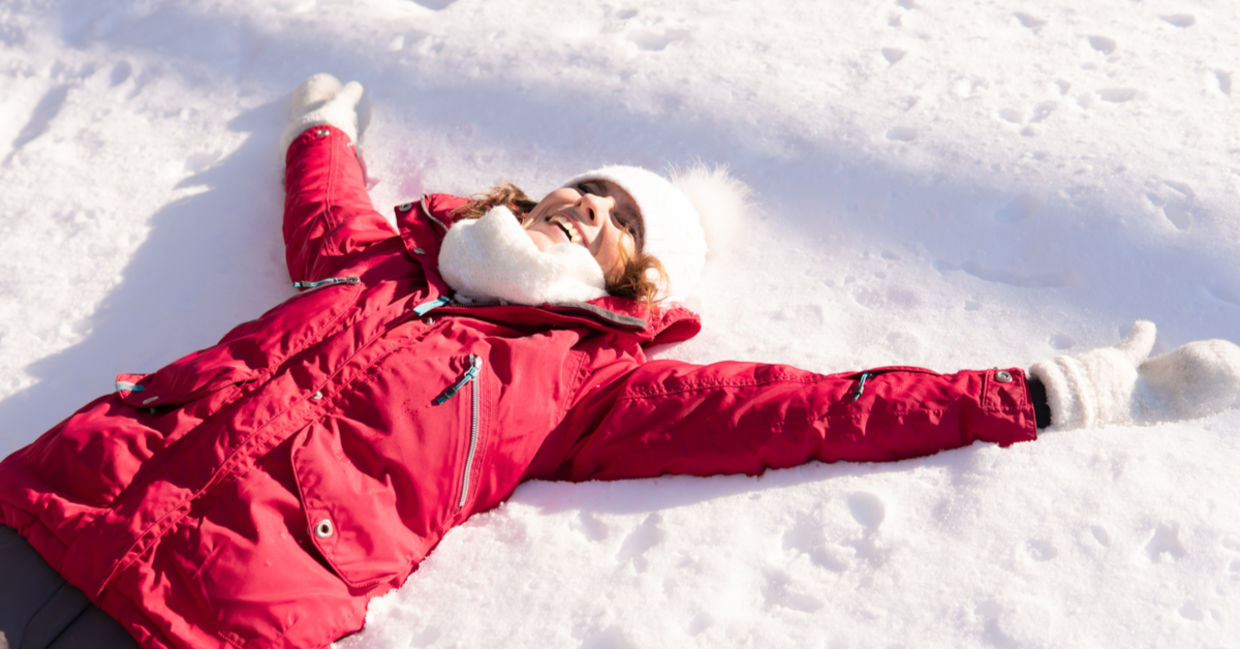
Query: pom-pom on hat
(673, 212)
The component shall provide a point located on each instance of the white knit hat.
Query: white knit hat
(672, 215)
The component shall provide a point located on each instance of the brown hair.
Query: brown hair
(639, 277)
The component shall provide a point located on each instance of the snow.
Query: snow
(951, 184)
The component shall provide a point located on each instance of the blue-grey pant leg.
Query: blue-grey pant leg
(39, 610)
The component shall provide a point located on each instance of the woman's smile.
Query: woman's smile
(597, 215)
(569, 226)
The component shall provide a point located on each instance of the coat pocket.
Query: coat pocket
(393, 465)
(862, 379)
(353, 515)
(178, 386)
(247, 353)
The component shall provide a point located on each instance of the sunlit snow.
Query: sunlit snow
(950, 184)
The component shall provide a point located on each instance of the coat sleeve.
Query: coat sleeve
(674, 417)
(328, 216)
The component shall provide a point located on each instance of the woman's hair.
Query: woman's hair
(639, 277)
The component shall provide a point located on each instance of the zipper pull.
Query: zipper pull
(865, 376)
(352, 279)
(475, 364)
(424, 307)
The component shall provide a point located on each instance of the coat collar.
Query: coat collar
(422, 226)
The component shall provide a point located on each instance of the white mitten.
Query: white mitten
(1195, 380)
(1118, 385)
(322, 99)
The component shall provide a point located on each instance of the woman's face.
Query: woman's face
(595, 214)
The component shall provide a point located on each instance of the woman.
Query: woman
(260, 492)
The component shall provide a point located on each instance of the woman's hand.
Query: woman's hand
(322, 100)
(1122, 384)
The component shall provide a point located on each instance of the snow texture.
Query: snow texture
(967, 183)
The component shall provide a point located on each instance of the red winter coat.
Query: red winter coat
(260, 492)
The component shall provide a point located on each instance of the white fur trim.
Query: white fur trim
(1096, 388)
(673, 229)
(719, 198)
(493, 258)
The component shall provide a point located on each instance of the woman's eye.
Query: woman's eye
(627, 224)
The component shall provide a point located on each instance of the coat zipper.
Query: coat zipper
(324, 283)
(470, 376)
(865, 376)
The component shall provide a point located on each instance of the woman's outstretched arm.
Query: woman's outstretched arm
(328, 215)
(674, 417)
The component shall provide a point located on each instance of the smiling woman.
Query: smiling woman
(260, 492)
(596, 214)
(600, 217)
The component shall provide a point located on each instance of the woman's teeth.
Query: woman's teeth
(565, 225)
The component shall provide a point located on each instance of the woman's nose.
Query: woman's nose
(596, 208)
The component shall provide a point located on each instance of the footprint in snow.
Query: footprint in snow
(1117, 95)
(1041, 550)
(806, 536)
(41, 118)
(647, 535)
(867, 509)
(1164, 545)
(433, 5)
(592, 527)
(1181, 20)
(1191, 611)
(1102, 44)
(1175, 200)
(893, 55)
(1028, 118)
(1029, 22)
(654, 41)
(1222, 82)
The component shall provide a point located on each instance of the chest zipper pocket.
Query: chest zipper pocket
(310, 287)
(475, 397)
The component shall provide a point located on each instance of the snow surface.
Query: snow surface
(947, 183)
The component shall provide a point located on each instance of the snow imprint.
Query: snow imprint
(642, 538)
(1181, 20)
(1030, 22)
(1164, 544)
(1176, 201)
(1102, 44)
(43, 114)
(435, 5)
(1222, 81)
